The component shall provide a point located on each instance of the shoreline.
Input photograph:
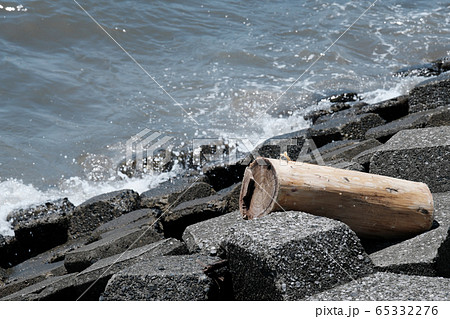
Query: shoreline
(59, 250)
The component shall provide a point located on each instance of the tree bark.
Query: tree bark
(373, 206)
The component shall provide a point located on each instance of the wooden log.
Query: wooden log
(373, 206)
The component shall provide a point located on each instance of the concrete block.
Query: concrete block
(170, 278)
(389, 287)
(430, 94)
(421, 155)
(292, 255)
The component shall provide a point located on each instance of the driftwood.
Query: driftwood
(373, 206)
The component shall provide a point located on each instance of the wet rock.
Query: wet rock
(434, 117)
(101, 209)
(354, 127)
(176, 278)
(292, 255)
(336, 108)
(433, 68)
(132, 235)
(389, 287)
(388, 110)
(339, 114)
(11, 252)
(175, 192)
(427, 254)
(205, 237)
(39, 228)
(421, 155)
(223, 176)
(430, 94)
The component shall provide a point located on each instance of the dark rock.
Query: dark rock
(421, 155)
(354, 127)
(221, 177)
(339, 114)
(389, 110)
(11, 252)
(433, 68)
(89, 284)
(39, 228)
(427, 70)
(135, 234)
(176, 278)
(205, 237)
(342, 97)
(292, 255)
(175, 220)
(430, 94)
(346, 150)
(434, 117)
(96, 276)
(50, 288)
(336, 108)
(101, 209)
(346, 165)
(389, 287)
(172, 193)
(426, 254)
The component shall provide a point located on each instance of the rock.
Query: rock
(388, 110)
(11, 252)
(433, 68)
(172, 193)
(176, 278)
(221, 177)
(421, 155)
(335, 108)
(346, 151)
(97, 275)
(39, 228)
(292, 255)
(429, 118)
(354, 127)
(346, 165)
(389, 287)
(427, 254)
(101, 209)
(430, 94)
(49, 289)
(89, 284)
(338, 114)
(205, 237)
(136, 234)
(28, 273)
(177, 219)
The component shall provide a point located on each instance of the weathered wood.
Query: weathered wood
(373, 206)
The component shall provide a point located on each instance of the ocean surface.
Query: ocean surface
(78, 79)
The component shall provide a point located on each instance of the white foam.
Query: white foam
(401, 87)
(14, 194)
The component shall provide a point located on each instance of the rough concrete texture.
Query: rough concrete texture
(389, 110)
(430, 94)
(175, 192)
(102, 270)
(41, 290)
(81, 285)
(137, 234)
(205, 237)
(39, 228)
(292, 255)
(30, 272)
(176, 278)
(389, 287)
(347, 151)
(429, 118)
(177, 219)
(346, 165)
(101, 209)
(126, 221)
(351, 128)
(421, 155)
(427, 254)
